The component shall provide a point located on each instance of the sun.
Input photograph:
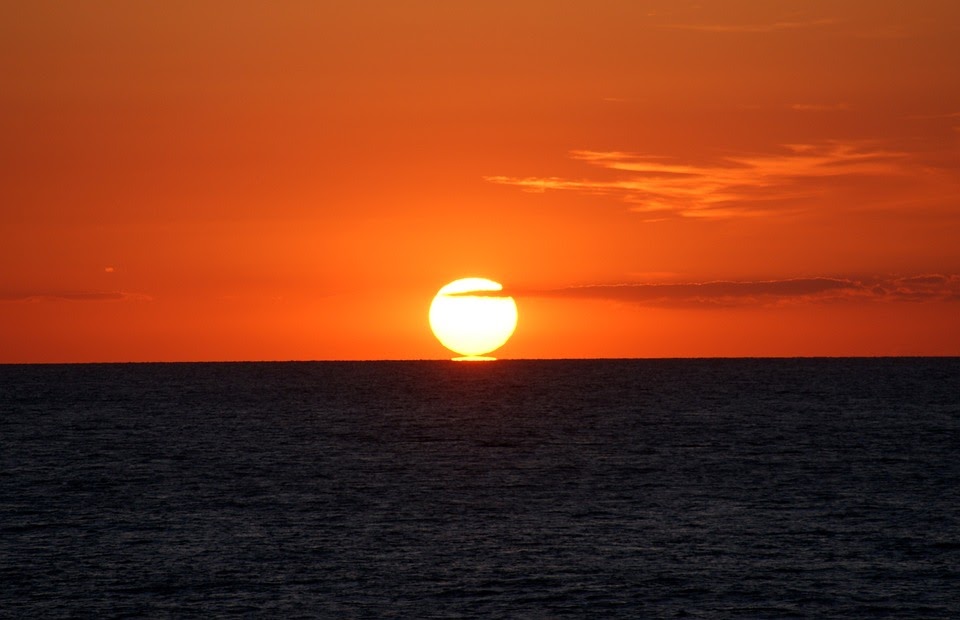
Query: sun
(472, 317)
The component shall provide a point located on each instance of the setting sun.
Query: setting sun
(471, 317)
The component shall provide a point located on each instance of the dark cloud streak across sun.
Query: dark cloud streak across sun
(917, 288)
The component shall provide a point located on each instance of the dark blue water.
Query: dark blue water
(540, 489)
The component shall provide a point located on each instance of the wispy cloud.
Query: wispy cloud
(77, 296)
(826, 24)
(777, 26)
(732, 186)
(821, 107)
(933, 116)
(917, 288)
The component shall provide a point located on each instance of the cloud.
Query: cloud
(934, 116)
(832, 25)
(764, 293)
(78, 296)
(778, 26)
(733, 186)
(480, 294)
(821, 107)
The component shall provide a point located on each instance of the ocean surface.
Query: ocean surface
(806, 488)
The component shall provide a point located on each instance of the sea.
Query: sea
(708, 488)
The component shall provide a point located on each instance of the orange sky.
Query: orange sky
(240, 180)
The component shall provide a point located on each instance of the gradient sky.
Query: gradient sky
(242, 180)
